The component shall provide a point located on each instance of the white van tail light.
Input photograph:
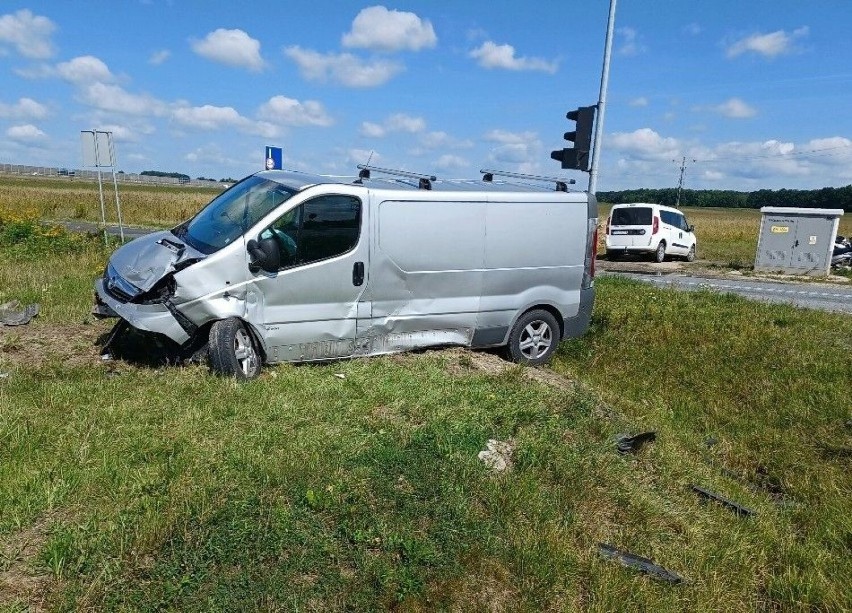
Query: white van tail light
(608, 219)
(656, 227)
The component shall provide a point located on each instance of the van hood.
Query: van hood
(146, 260)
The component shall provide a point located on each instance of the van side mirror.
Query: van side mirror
(264, 255)
(690, 228)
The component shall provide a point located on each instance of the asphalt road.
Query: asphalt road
(822, 296)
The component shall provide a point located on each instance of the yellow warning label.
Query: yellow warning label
(779, 229)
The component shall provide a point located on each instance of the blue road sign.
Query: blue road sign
(274, 157)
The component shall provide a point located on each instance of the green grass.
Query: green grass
(142, 488)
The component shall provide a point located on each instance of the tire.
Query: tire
(614, 256)
(690, 257)
(232, 350)
(534, 338)
(660, 253)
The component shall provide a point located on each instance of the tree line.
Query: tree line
(824, 198)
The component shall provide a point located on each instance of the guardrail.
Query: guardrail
(92, 175)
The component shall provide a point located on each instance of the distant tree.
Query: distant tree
(824, 198)
(159, 173)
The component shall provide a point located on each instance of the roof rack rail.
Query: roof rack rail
(424, 181)
(561, 184)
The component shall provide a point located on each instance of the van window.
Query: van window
(670, 218)
(632, 216)
(318, 229)
(232, 213)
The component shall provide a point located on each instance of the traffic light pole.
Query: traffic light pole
(593, 174)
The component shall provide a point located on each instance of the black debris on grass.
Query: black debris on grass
(632, 444)
(732, 506)
(639, 563)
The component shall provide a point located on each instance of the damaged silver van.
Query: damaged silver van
(288, 266)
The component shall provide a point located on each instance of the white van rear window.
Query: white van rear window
(633, 216)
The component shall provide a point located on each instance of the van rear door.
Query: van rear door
(631, 226)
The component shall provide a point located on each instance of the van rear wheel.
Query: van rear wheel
(660, 253)
(534, 338)
(232, 350)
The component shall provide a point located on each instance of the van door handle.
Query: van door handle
(358, 274)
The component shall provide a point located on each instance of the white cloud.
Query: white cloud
(115, 99)
(158, 57)
(28, 34)
(511, 138)
(119, 133)
(26, 134)
(362, 156)
(25, 108)
(440, 139)
(378, 28)
(84, 69)
(230, 47)
(372, 130)
(640, 101)
(209, 117)
(492, 55)
(449, 162)
(287, 111)
(768, 45)
(644, 144)
(399, 122)
(343, 68)
(735, 109)
(512, 153)
(629, 44)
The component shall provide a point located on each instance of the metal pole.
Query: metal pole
(115, 184)
(680, 182)
(610, 26)
(100, 186)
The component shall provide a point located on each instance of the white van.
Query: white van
(652, 229)
(287, 266)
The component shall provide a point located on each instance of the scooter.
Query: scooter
(842, 252)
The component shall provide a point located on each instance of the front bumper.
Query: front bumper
(148, 317)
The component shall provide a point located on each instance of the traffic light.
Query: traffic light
(577, 157)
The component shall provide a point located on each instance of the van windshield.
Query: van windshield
(232, 213)
(633, 216)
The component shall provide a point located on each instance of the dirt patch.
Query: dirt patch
(20, 582)
(463, 361)
(38, 343)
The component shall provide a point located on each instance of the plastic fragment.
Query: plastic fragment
(339, 375)
(497, 455)
(13, 314)
(732, 506)
(632, 444)
(644, 565)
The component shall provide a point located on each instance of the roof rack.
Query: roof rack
(561, 184)
(424, 181)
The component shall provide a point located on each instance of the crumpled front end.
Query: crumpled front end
(138, 285)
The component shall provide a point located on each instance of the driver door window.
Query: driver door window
(319, 229)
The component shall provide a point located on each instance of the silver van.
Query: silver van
(288, 266)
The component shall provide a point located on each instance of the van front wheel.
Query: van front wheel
(232, 350)
(534, 338)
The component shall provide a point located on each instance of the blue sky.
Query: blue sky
(754, 94)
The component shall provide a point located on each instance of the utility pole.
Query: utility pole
(680, 181)
(596, 152)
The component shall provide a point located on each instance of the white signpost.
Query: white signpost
(99, 152)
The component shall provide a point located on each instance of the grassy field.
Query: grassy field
(356, 485)
(726, 237)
